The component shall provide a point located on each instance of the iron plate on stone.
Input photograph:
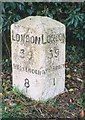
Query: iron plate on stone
(38, 57)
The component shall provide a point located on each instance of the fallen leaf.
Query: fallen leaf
(82, 113)
(0, 94)
(8, 93)
(70, 100)
(70, 90)
(75, 70)
(53, 110)
(68, 76)
(68, 69)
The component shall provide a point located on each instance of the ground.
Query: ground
(67, 105)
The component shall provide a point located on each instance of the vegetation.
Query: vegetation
(73, 16)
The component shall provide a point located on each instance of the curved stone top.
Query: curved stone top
(38, 21)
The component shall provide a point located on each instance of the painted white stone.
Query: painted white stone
(38, 57)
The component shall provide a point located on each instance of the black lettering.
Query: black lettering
(26, 84)
(53, 67)
(39, 72)
(20, 68)
(60, 36)
(43, 42)
(51, 53)
(33, 71)
(22, 51)
(43, 72)
(48, 38)
(36, 72)
(56, 52)
(54, 81)
(37, 40)
(23, 68)
(26, 69)
(58, 67)
(32, 39)
(17, 37)
(17, 67)
(22, 37)
(64, 37)
(27, 38)
(14, 66)
(29, 70)
(13, 36)
(54, 38)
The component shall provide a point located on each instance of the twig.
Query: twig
(41, 112)
(78, 105)
(79, 80)
(69, 112)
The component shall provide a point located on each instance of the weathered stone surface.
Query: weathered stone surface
(38, 57)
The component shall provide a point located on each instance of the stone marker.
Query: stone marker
(38, 57)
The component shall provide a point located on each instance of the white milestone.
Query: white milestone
(38, 57)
